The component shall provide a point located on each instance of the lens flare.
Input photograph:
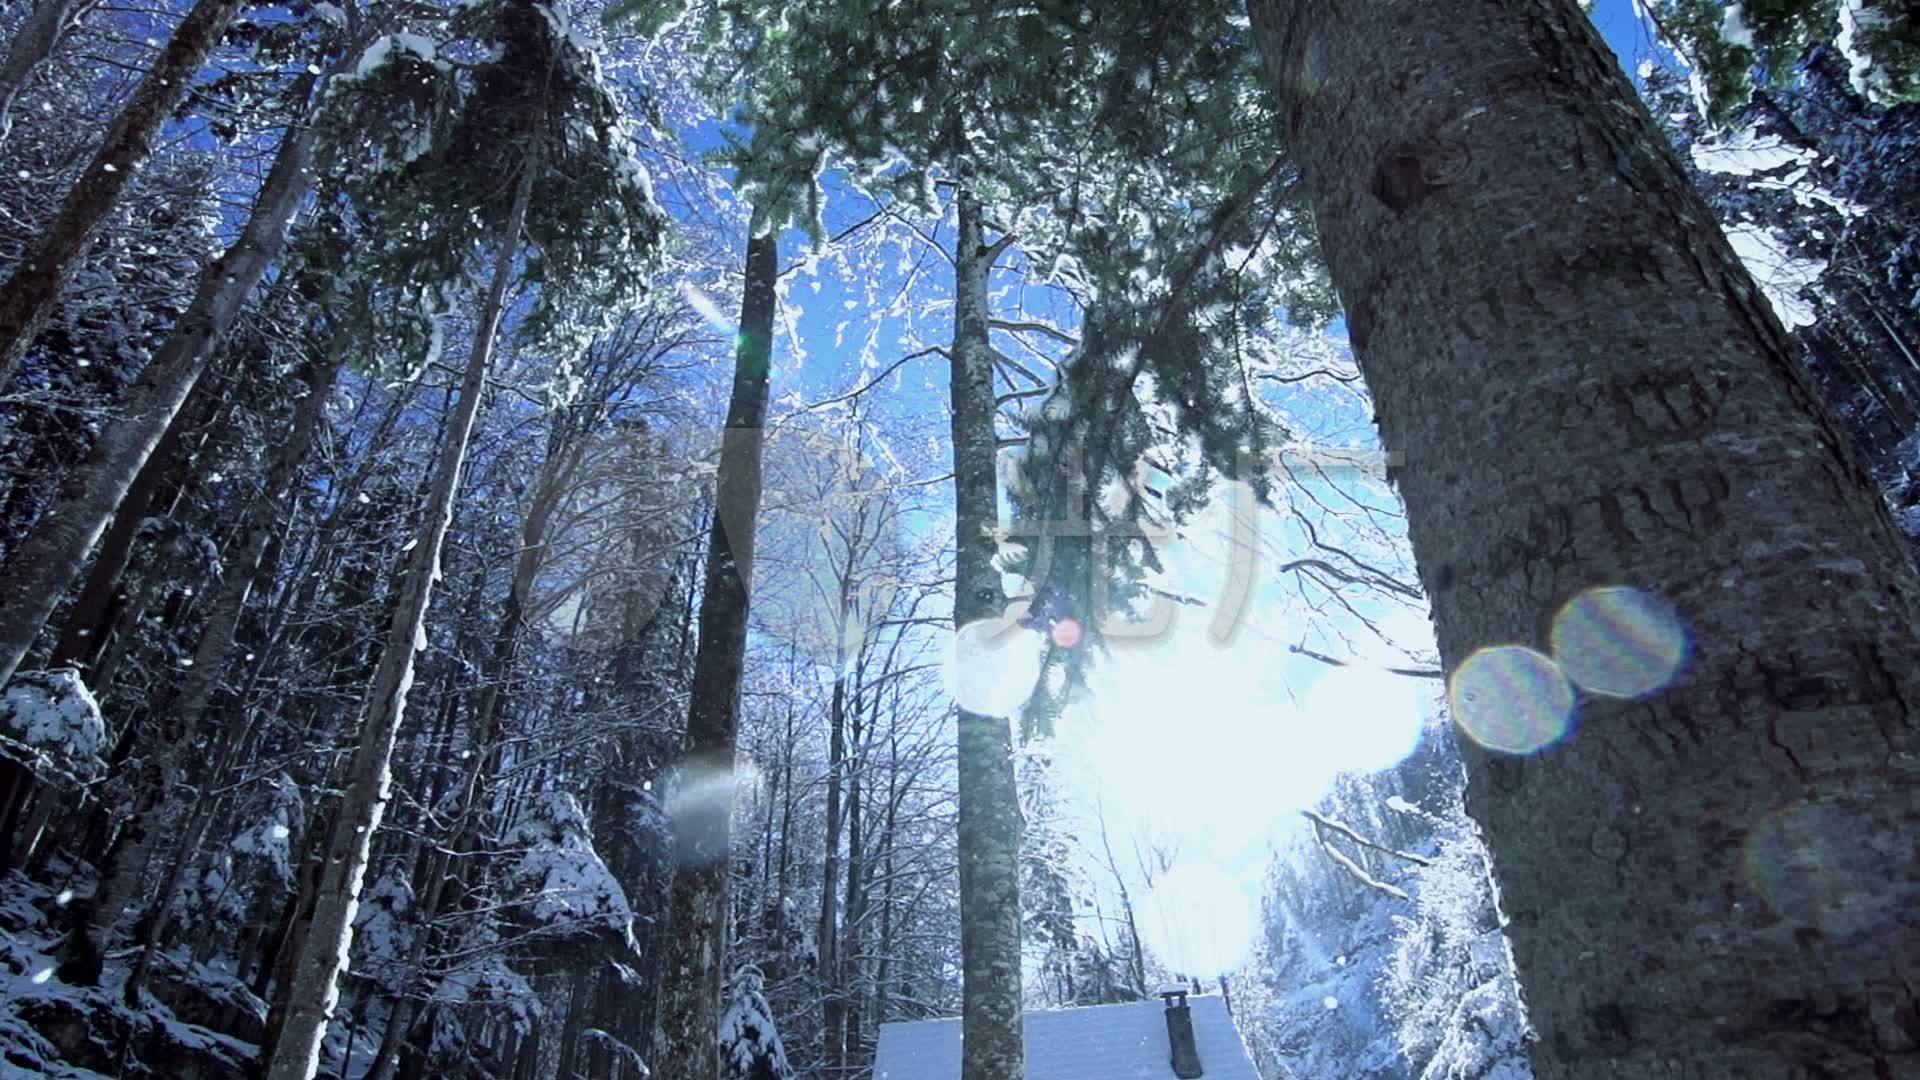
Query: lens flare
(1618, 641)
(1200, 921)
(992, 669)
(699, 805)
(1815, 864)
(1372, 718)
(1512, 699)
(704, 304)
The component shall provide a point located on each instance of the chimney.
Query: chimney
(1184, 1053)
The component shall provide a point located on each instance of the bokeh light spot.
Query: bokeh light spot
(1198, 920)
(1067, 633)
(992, 668)
(1373, 718)
(700, 803)
(1618, 641)
(1512, 699)
(1815, 864)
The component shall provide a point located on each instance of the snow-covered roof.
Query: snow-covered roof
(1099, 1042)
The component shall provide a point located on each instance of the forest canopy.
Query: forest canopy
(625, 538)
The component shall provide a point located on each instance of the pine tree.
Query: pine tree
(750, 1047)
(1539, 262)
(1726, 43)
(540, 110)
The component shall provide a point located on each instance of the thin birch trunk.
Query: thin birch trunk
(315, 986)
(1717, 878)
(849, 981)
(833, 1005)
(49, 557)
(27, 299)
(686, 1043)
(32, 44)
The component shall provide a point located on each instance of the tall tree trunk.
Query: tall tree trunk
(849, 981)
(183, 715)
(686, 1043)
(176, 726)
(315, 985)
(883, 973)
(27, 299)
(32, 44)
(89, 620)
(991, 1042)
(486, 738)
(784, 872)
(50, 555)
(833, 1003)
(1718, 879)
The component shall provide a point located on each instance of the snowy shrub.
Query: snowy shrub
(750, 1044)
(50, 723)
(383, 932)
(561, 874)
(482, 982)
(1448, 987)
(211, 893)
(270, 837)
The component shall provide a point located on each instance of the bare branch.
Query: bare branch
(1341, 860)
(875, 381)
(1411, 673)
(1305, 375)
(1322, 822)
(1036, 327)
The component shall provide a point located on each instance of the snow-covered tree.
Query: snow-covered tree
(1727, 46)
(750, 1047)
(538, 106)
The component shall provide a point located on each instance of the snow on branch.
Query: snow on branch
(1322, 822)
(50, 723)
(618, 1049)
(1323, 826)
(1037, 327)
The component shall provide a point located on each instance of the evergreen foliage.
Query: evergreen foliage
(1732, 46)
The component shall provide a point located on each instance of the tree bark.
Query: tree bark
(32, 44)
(177, 725)
(314, 989)
(50, 555)
(989, 832)
(832, 1004)
(1718, 879)
(27, 299)
(181, 721)
(90, 618)
(849, 981)
(686, 1043)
